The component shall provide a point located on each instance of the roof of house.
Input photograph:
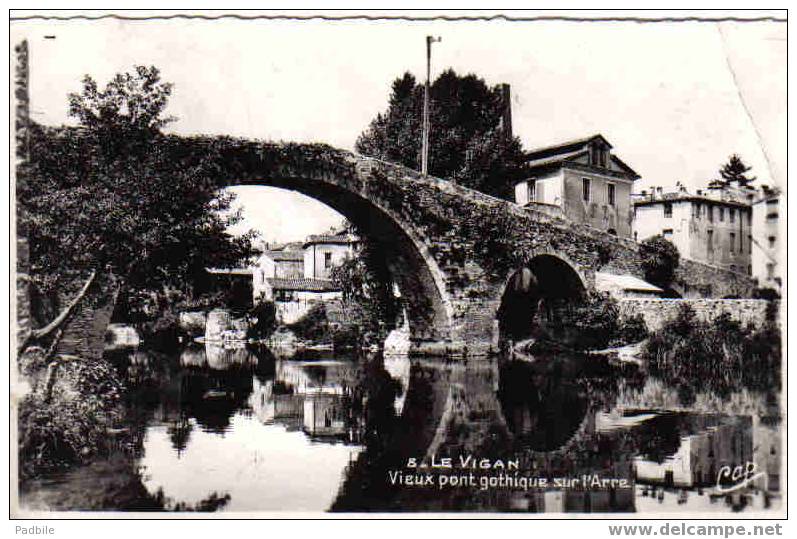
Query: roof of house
(565, 147)
(285, 256)
(343, 239)
(302, 284)
(604, 281)
(230, 271)
(686, 197)
(571, 150)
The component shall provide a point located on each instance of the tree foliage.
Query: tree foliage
(367, 291)
(116, 195)
(468, 143)
(660, 258)
(734, 173)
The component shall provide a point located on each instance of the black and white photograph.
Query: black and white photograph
(430, 264)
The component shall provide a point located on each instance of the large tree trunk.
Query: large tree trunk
(37, 335)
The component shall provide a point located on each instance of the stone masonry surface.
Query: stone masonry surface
(656, 312)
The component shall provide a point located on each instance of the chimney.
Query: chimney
(506, 115)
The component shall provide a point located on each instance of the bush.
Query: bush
(721, 356)
(71, 424)
(660, 259)
(313, 326)
(596, 324)
(265, 313)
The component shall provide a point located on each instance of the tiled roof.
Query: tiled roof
(228, 271)
(564, 147)
(331, 238)
(303, 284)
(285, 256)
(644, 200)
(555, 159)
(604, 281)
(568, 151)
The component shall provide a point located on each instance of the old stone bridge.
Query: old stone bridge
(452, 251)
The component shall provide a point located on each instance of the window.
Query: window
(667, 233)
(721, 213)
(668, 209)
(732, 215)
(710, 241)
(327, 260)
(598, 156)
(696, 210)
(771, 240)
(770, 270)
(733, 241)
(585, 187)
(610, 193)
(749, 244)
(710, 213)
(532, 190)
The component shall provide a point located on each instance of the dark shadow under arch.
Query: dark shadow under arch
(539, 285)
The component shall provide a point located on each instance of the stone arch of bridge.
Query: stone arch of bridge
(400, 247)
(546, 277)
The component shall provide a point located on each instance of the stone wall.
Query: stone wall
(698, 280)
(656, 312)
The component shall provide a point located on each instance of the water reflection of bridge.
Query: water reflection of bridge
(560, 417)
(559, 420)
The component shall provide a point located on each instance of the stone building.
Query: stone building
(767, 240)
(283, 264)
(296, 278)
(713, 226)
(583, 181)
(325, 251)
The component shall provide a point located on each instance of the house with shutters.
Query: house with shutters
(296, 277)
(582, 181)
(712, 225)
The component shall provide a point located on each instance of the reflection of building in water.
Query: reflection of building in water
(306, 396)
(575, 501)
(767, 453)
(217, 356)
(700, 456)
(324, 415)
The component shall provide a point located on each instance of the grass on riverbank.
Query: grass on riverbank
(67, 417)
(721, 356)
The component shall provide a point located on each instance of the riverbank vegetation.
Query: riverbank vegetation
(70, 415)
(591, 324)
(722, 356)
(112, 203)
(111, 208)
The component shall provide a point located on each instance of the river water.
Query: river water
(251, 430)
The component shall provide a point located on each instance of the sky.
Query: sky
(674, 99)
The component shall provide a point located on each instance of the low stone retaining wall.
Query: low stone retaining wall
(655, 312)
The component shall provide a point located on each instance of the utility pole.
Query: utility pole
(425, 144)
